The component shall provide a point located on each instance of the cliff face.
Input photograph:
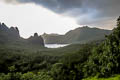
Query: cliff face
(78, 35)
(36, 40)
(8, 34)
(14, 32)
(3, 27)
(11, 35)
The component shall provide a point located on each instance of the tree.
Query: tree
(105, 59)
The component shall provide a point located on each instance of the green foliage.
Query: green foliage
(70, 66)
(13, 75)
(91, 61)
(105, 59)
(117, 77)
(12, 69)
(26, 76)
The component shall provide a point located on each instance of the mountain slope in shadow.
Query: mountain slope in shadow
(11, 36)
(79, 35)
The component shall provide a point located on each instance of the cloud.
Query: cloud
(84, 11)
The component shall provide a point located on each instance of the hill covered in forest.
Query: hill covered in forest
(91, 61)
(81, 35)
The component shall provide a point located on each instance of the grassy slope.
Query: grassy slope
(117, 77)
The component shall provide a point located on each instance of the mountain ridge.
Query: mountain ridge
(11, 35)
(79, 35)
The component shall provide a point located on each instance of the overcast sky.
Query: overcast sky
(58, 16)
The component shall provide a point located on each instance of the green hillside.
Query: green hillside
(79, 35)
(92, 61)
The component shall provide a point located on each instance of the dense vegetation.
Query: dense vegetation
(38, 63)
(93, 61)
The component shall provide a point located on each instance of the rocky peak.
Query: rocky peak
(36, 40)
(14, 31)
(11, 35)
(3, 27)
(11, 32)
(36, 35)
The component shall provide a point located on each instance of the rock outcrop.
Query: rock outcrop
(11, 32)
(11, 35)
(36, 40)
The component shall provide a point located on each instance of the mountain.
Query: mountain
(8, 34)
(79, 35)
(11, 36)
(36, 39)
(52, 38)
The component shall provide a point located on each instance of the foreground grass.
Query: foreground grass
(117, 77)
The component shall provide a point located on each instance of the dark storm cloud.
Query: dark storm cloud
(85, 11)
(59, 6)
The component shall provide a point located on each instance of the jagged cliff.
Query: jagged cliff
(36, 39)
(11, 35)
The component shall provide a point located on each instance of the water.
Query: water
(55, 45)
